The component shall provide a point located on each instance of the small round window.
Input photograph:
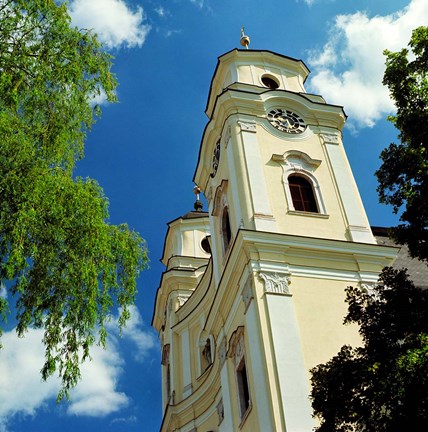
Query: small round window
(270, 82)
(205, 244)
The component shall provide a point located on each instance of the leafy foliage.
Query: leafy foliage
(403, 176)
(383, 385)
(66, 265)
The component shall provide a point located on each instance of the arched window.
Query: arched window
(206, 351)
(167, 377)
(225, 228)
(206, 356)
(302, 194)
(237, 350)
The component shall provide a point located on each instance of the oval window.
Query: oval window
(270, 82)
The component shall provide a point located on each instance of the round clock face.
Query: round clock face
(286, 121)
(216, 158)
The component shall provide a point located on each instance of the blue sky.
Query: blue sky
(143, 152)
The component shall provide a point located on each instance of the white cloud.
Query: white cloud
(100, 98)
(3, 292)
(23, 392)
(161, 11)
(114, 22)
(130, 419)
(170, 33)
(96, 395)
(199, 3)
(21, 389)
(349, 68)
(133, 331)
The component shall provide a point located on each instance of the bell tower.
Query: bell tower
(279, 152)
(287, 233)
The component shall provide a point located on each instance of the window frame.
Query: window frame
(298, 163)
(225, 227)
(224, 236)
(203, 364)
(307, 199)
(242, 382)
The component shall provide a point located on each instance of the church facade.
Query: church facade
(253, 292)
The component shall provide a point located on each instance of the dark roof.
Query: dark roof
(417, 269)
(194, 215)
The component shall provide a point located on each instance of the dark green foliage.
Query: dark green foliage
(383, 385)
(66, 265)
(403, 176)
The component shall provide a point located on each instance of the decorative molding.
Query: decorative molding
(369, 288)
(247, 126)
(220, 412)
(247, 294)
(181, 300)
(227, 136)
(295, 161)
(172, 398)
(187, 390)
(216, 158)
(330, 138)
(275, 283)
(308, 214)
(165, 354)
(236, 345)
(220, 198)
(222, 352)
(361, 234)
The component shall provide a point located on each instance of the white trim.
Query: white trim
(237, 209)
(256, 179)
(275, 283)
(260, 394)
(313, 272)
(291, 372)
(247, 294)
(186, 363)
(214, 250)
(269, 74)
(227, 423)
(299, 163)
(357, 223)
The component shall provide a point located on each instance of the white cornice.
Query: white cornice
(237, 106)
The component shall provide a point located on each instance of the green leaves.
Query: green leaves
(67, 265)
(403, 176)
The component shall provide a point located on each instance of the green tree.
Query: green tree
(382, 386)
(65, 265)
(403, 175)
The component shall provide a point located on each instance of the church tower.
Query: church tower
(253, 293)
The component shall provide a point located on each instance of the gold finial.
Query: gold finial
(245, 40)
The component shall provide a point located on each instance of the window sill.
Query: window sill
(310, 214)
(245, 416)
